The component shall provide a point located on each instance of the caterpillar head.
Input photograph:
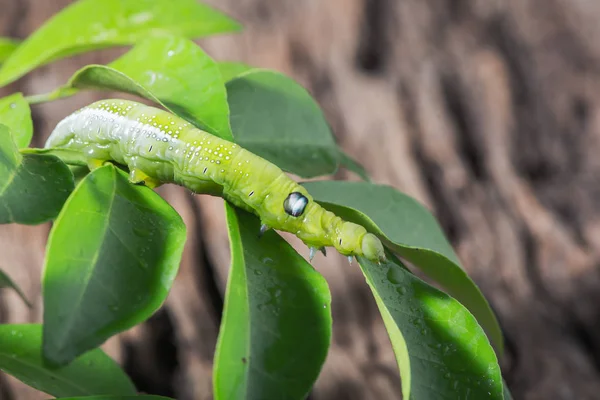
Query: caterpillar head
(372, 248)
(353, 239)
(348, 238)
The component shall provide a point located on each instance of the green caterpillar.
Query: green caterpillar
(159, 147)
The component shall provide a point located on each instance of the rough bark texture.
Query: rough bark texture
(485, 110)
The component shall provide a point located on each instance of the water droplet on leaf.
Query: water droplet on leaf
(267, 261)
(394, 275)
(141, 232)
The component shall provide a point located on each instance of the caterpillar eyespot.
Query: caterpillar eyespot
(163, 148)
(295, 204)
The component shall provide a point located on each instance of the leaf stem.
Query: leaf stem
(57, 94)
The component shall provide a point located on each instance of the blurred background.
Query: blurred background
(487, 111)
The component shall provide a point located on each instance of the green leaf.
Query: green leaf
(171, 71)
(276, 325)
(442, 352)
(277, 119)
(112, 256)
(68, 156)
(231, 69)
(33, 188)
(176, 72)
(7, 46)
(16, 115)
(411, 231)
(6, 282)
(93, 24)
(79, 172)
(92, 373)
(10, 158)
(138, 397)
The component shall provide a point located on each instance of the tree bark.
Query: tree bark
(487, 111)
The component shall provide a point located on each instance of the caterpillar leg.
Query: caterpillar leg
(311, 255)
(96, 157)
(313, 251)
(95, 163)
(263, 229)
(137, 176)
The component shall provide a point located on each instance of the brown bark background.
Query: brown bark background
(485, 110)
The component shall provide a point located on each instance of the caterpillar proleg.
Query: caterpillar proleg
(159, 147)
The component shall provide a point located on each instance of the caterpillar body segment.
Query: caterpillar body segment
(159, 147)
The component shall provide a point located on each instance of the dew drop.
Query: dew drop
(275, 294)
(394, 275)
(141, 232)
(267, 261)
